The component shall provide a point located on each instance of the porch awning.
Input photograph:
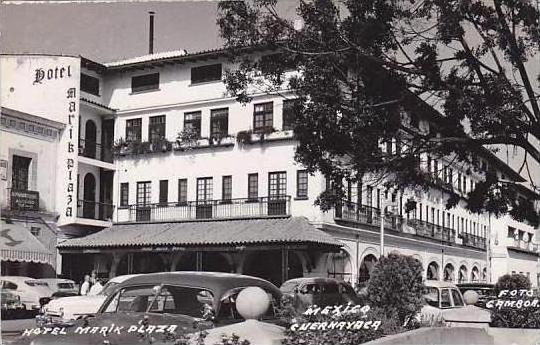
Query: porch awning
(18, 244)
(294, 230)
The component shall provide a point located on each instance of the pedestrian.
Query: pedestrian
(93, 277)
(96, 288)
(85, 286)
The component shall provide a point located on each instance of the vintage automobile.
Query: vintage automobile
(11, 304)
(61, 287)
(485, 291)
(156, 303)
(32, 292)
(318, 291)
(445, 303)
(65, 309)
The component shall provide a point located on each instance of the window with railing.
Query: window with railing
(226, 188)
(124, 194)
(182, 191)
(144, 190)
(134, 130)
(192, 122)
(163, 192)
(205, 188)
(219, 123)
(263, 116)
(253, 186)
(156, 128)
(302, 184)
(277, 190)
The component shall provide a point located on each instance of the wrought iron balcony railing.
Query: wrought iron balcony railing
(94, 210)
(94, 150)
(434, 231)
(208, 209)
(471, 240)
(526, 245)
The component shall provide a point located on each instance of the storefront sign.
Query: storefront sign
(24, 200)
(71, 194)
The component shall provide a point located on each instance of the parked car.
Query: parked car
(32, 292)
(185, 301)
(65, 309)
(445, 303)
(61, 287)
(11, 304)
(318, 291)
(485, 291)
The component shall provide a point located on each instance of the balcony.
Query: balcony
(205, 210)
(362, 214)
(525, 246)
(94, 210)
(474, 241)
(351, 212)
(94, 150)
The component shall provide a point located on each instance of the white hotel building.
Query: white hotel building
(200, 182)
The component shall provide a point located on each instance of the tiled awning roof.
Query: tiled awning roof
(18, 244)
(295, 230)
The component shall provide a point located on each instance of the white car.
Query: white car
(32, 292)
(445, 303)
(66, 309)
(61, 287)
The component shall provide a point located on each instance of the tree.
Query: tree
(369, 69)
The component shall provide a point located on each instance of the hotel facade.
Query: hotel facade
(173, 174)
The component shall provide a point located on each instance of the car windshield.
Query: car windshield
(458, 300)
(166, 299)
(108, 289)
(36, 283)
(66, 285)
(432, 297)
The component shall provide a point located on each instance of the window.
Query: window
(204, 189)
(277, 184)
(35, 230)
(20, 171)
(156, 128)
(192, 122)
(226, 188)
(263, 116)
(124, 194)
(133, 130)
(145, 82)
(253, 186)
(144, 190)
(9, 285)
(302, 184)
(219, 123)
(206, 73)
(163, 192)
(289, 114)
(89, 84)
(182, 191)
(445, 299)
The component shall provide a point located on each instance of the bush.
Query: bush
(515, 317)
(396, 286)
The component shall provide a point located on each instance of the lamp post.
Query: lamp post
(382, 229)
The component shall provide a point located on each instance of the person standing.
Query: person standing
(85, 287)
(96, 288)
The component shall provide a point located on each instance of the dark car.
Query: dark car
(176, 301)
(485, 291)
(318, 291)
(11, 304)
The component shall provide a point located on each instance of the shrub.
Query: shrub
(514, 317)
(396, 286)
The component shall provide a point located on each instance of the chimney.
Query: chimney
(151, 33)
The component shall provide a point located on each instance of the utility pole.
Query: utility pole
(382, 229)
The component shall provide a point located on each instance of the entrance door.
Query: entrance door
(89, 196)
(90, 139)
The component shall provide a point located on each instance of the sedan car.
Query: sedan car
(63, 310)
(11, 304)
(485, 292)
(318, 291)
(156, 303)
(445, 303)
(32, 292)
(61, 287)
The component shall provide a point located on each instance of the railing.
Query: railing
(352, 212)
(525, 245)
(434, 231)
(470, 240)
(209, 209)
(94, 210)
(94, 150)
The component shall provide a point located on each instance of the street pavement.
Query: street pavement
(12, 328)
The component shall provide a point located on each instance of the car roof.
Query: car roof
(312, 280)
(60, 280)
(123, 278)
(439, 284)
(216, 281)
(475, 285)
(17, 278)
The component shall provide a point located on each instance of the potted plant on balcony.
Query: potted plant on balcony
(244, 137)
(263, 132)
(187, 139)
(160, 145)
(120, 147)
